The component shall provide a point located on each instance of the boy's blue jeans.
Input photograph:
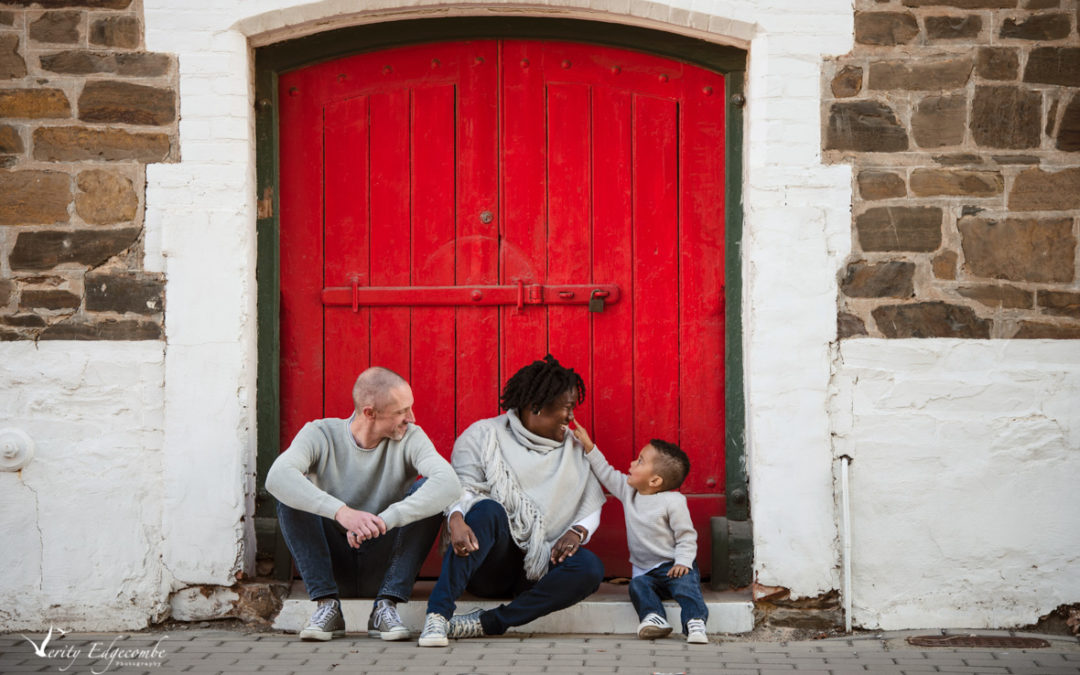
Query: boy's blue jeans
(649, 590)
(496, 569)
(383, 567)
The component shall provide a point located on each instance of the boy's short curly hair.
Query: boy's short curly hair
(671, 463)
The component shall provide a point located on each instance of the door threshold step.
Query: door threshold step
(607, 611)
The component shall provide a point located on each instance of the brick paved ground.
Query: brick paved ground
(222, 651)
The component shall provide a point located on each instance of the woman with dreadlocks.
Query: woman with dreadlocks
(530, 503)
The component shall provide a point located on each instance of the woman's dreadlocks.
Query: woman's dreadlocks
(538, 384)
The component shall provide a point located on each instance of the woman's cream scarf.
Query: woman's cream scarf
(545, 486)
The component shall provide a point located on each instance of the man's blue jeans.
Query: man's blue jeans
(383, 567)
(496, 570)
(648, 592)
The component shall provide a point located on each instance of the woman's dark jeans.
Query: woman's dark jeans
(383, 567)
(496, 570)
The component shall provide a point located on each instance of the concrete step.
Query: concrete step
(607, 611)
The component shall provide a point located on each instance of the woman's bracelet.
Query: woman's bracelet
(579, 531)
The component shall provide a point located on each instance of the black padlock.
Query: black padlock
(596, 303)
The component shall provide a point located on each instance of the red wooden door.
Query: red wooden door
(447, 210)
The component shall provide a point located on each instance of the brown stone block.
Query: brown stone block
(55, 4)
(997, 63)
(12, 65)
(866, 126)
(1038, 190)
(899, 228)
(959, 159)
(1042, 4)
(929, 74)
(939, 121)
(1060, 303)
(944, 265)
(49, 300)
(23, 321)
(45, 250)
(7, 286)
(72, 144)
(143, 64)
(963, 4)
(78, 62)
(1047, 331)
(33, 103)
(116, 31)
(1068, 134)
(10, 141)
(126, 103)
(945, 182)
(930, 320)
(953, 27)
(1048, 26)
(848, 82)
(105, 197)
(1054, 65)
(849, 325)
(885, 28)
(108, 329)
(34, 197)
(1019, 249)
(892, 279)
(880, 185)
(1006, 117)
(58, 27)
(1009, 297)
(7, 18)
(139, 294)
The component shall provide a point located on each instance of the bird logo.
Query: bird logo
(40, 649)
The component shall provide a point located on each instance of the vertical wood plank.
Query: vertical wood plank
(301, 257)
(656, 292)
(569, 137)
(390, 225)
(477, 242)
(433, 332)
(347, 233)
(701, 280)
(524, 195)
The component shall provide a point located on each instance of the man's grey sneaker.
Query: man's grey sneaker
(434, 633)
(695, 632)
(326, 623)
(653, 626)
(466, 625)
(385, 622)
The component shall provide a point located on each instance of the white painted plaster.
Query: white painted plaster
(966, 458)
(80, 526)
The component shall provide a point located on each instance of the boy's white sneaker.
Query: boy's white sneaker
(653, 626)
(695, 632)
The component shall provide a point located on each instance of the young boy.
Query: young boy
(661, 537)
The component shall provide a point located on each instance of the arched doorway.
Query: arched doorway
(449, 209)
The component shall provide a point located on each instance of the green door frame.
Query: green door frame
(274, 59)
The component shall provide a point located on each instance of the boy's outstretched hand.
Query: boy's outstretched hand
(677, 571)
(582, 436)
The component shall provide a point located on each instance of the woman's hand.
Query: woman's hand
(567, 546)
(462, 538)
(583, 437)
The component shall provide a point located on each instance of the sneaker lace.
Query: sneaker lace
(387, 616)
(323, 613)
(434, 623)
(467, 625)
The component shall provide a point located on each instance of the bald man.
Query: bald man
(352, 513)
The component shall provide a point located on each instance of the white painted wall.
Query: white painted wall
(966, 462)
(80, 526)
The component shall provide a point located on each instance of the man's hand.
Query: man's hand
(462, 538)
(567, 546)
(677, 571)
(583, 437)
(359, 525)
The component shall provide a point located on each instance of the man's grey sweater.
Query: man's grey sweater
(325, 469)
(658, 526)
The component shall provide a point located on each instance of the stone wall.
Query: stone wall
(83, 109)
(962, 121)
